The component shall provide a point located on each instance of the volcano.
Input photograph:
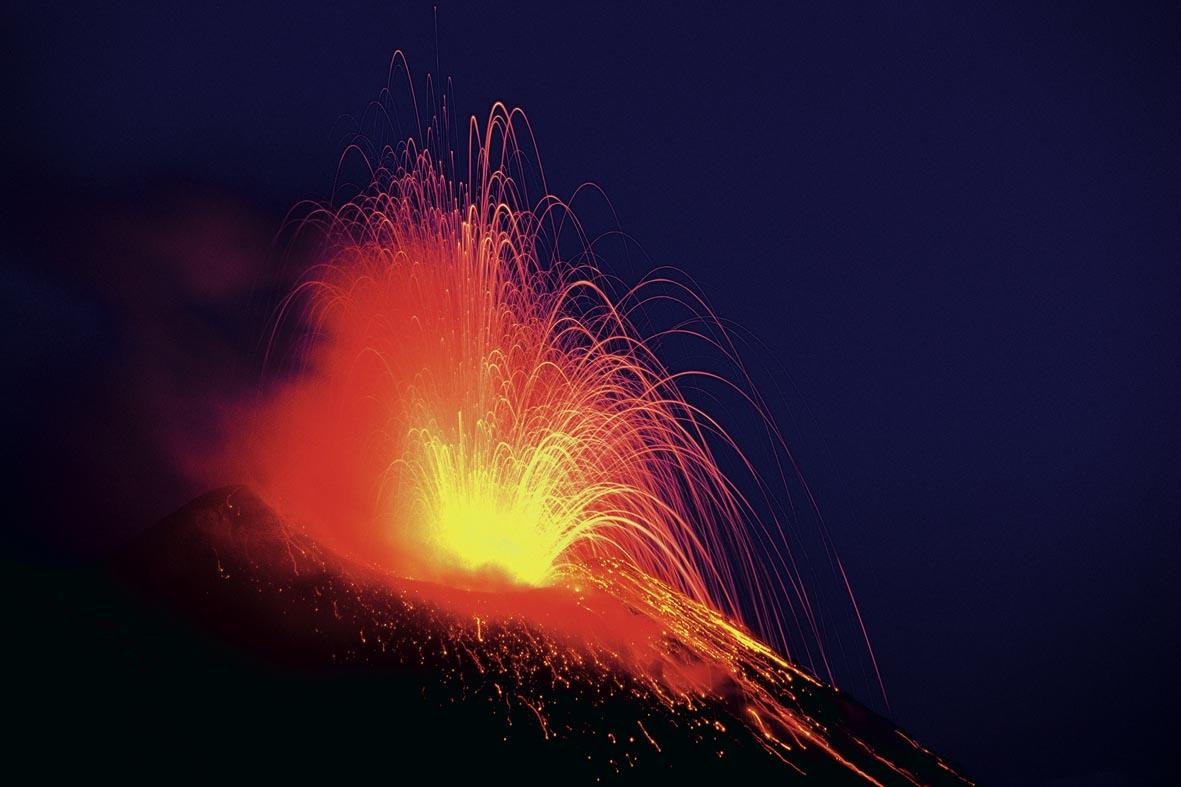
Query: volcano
(226, 630)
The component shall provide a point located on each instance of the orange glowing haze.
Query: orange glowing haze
(476, 410)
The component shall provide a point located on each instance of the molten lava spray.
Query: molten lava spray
(478, 413)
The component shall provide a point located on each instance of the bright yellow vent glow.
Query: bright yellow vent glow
(487, 507)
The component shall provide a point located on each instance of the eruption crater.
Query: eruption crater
(476, 420)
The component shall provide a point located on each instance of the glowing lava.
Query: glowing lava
(479, 412)
(476, 410)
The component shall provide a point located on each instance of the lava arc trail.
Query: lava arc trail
(477, 414)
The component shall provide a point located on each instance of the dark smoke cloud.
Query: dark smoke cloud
(130, 320)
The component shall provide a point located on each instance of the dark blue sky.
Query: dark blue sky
(955, 228)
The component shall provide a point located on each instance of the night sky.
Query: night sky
(954, 231)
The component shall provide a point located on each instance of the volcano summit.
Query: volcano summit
(225, 627)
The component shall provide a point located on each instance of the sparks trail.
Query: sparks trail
(478, 411)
